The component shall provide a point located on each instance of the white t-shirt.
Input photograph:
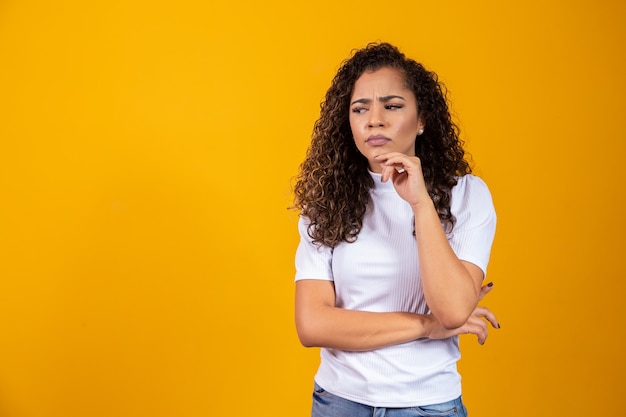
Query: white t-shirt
(380, 272)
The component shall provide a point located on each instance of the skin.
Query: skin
(382, 106)
(385, 124)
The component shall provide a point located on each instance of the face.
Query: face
(383, 115)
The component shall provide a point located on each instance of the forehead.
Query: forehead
(382, 81)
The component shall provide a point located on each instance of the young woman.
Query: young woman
(395, 240)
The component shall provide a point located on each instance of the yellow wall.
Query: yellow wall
(146, 151)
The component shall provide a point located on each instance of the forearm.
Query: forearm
(321, 324)
(334, 327)
(450, 290)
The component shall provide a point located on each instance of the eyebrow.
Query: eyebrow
(381, 99)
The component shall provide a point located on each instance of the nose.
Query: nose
(376, 117)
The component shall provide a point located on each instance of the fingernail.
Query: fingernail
(490, 284)
(499, 325)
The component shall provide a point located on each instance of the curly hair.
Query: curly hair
(333, 185)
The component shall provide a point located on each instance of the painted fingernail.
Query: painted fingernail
(490, 284)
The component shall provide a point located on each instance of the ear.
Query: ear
(420, 126)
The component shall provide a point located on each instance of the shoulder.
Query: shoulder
(470, 184)
(471, 195)
(475, 226)
(470, 187)
(313, 261)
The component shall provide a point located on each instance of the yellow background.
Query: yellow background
(146, 156)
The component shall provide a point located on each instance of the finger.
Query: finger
(488, 315)
(385, 156)
(482, 336)
(485, 289)
(401, 161)
(478, 327)
(392, 158)
(491, 318)
(395, 169)
(386, 173)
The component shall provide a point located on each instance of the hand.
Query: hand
(475, 324)
(406, 174)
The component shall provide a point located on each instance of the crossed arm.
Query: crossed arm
(452, 287)
(319, 323)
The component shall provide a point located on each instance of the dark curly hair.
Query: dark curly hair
(333, 184)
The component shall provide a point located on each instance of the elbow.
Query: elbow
(452, 321)
(306, 334)
(452, 324)
(307, 342)
(453, 315)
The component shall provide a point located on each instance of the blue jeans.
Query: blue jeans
(326, 404)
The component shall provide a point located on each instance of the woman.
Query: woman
(395, 241)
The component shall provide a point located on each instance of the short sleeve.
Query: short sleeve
(475, 227)
(312, 261)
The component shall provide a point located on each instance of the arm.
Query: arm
(319, 323)
(451, 286)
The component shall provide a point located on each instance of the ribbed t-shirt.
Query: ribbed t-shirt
(379, 272)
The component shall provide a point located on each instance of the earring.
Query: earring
(419, 132)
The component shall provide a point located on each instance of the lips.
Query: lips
(377, 140)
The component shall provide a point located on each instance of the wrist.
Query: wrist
(423, 205)
(429, 323)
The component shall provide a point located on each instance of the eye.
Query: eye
(359, 110)
(393, 106)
